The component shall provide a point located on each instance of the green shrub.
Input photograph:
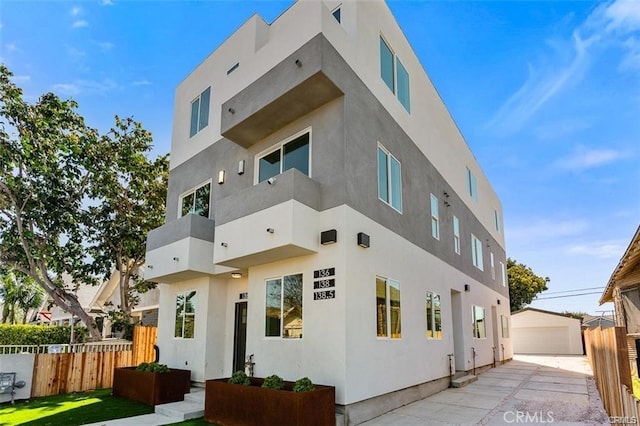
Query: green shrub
(273, 382)
(239, 378)
(303, 385)
(152, 367)
(25, 334)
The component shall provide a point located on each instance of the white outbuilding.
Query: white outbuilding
(534, 331)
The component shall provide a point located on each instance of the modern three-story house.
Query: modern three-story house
(325, 215)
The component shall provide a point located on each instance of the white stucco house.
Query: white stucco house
(326, 216)
(535, 331)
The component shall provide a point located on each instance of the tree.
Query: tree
(132, 203)
(524, 284)
(19, 294)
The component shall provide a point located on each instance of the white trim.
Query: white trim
(389, 192)
(388, 309)
(264, 306)
(193, 191)
(278, 146)
(175, 316)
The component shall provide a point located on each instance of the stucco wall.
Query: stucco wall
(22, 365)
(540, 332)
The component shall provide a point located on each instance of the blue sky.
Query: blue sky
(547, 95)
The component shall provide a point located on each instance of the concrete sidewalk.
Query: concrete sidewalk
(531, 389)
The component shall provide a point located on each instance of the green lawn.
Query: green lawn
(71, 409)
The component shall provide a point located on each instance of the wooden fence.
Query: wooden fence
(61, 373)
(609, 358)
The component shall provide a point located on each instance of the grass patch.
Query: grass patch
(71, 409)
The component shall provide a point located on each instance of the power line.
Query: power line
(567, 295)
(576, 289)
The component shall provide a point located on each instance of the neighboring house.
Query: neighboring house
(534, 331)
(604, 321)
(623, 289)
(325, 215)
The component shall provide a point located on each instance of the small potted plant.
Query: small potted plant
(151, 383)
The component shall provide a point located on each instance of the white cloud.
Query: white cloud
(11, 47)
(88, 87)
(583, 158)
(599, 249)
(80, 24)
(104, 45)
(18, 79)
(68, 89)
(106, 2)
(623, 15)
(75, 53)
(143, 82)
(75, 11)
(545, 229)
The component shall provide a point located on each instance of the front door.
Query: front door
(240, 337)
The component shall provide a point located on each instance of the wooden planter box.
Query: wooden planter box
(151, 388)
(231, 405)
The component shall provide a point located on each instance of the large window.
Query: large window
(434, 316)
(503, 273)
(196, 201)
(394, 74)
(388, 318)
(185, 315)
(456, 235)
(479, 326)
(283, 313)
(497, 220)
(472, 185)
(389, 179)
(476, 252)
(292, 154)
(505, 326)
(435, 218)
(200, 112)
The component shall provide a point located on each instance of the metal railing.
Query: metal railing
(66, 348)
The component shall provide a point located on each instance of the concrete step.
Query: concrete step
(463, 381)
(181, 410)
(196, 395)
(340, 420)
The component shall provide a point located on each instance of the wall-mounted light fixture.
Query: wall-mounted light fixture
(150, 266)
(241, 167)
(446, 194)
(498, 301)
(467, 288)
(328, 237)
(270, 230)
(232, 111)
(221, 177)
(363, 240)
(446, 203)
(298, 63)
(236, 275)
(176, 259)
(271, 180)
(224, 244)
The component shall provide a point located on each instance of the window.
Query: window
(196, 201)
(434, 316)
(200, 112)
(472, 185)
(389, 179)
(503, 272)
(476, 252)
(498, 221)
(337, 13)
(435, 218)
(388, 308)
(292, 154)
(185, 315)
(456, 235)
(493, 266)
(283, 313)
(505, 326)
(479, 326)
(394, 74)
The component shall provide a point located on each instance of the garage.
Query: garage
(535, 331)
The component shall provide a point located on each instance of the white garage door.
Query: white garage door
(541, 340)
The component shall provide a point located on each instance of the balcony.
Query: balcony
(180, 250)
(290, 90)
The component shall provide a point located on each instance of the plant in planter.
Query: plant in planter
(269, 401)
(151, 383)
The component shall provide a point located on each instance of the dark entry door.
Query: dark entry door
(240, 337)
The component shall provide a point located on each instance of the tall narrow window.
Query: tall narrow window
(293, 154)
(435, 218)
(395, 75)
(200, 112)
(498, 221)
(505, 326)
(386, 65)
(403, 85)
(434, 316)
(456, 235)
(472, 185)
(337, 13)
(476, 252)
(185, 315)
(479, 326)
(283, 307)
(196, 201)
(503, 272)
(388, 315)
(493, 266)
(389, 179)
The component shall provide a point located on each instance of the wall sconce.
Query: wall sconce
(270, 230)
(298, 63)
(150, 266)
(467, 288)
(232, 111)
(224, 244)
(176, 259)
(363, 240)
(241, 167)
(498, 301)
(220, 177)
(236, 275)
(328, 237)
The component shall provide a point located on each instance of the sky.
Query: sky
(546, 94)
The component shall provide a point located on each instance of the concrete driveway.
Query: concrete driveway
(531, 389)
